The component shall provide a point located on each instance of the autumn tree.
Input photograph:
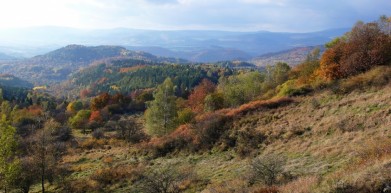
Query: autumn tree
(100, 101)
(197, 96)
(305, 71)
(238, 89)
(95, 117)
(365, 46)
(45, 152)
(275, 75)
(128, 129)
(213, 102)
(161, 114)
(9, 162)
(74, 107)
(80, 120)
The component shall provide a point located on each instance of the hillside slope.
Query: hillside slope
(331, 142)
(12, 81)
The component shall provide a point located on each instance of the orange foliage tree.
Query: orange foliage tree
(100, 101)
(365, 46)
(95, 117)
(197, 97)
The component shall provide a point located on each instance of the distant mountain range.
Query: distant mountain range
(6, 57)
(55, 66)
(192, 45)
(292, 56)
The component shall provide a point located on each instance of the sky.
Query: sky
(231, 15)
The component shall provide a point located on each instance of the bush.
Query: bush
(98, 133)
(267, 168)
(166, 179)
(247, 140)
(209, 129)
(185, 116)
(289, 88)
(114, 175)
(182, 138)
(92, 143)
(378, 76)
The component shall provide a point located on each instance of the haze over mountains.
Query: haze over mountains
(192, 45)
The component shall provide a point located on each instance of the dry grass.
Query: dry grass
(378, 76)
(301, 185)
(257, 105)
(331, 141)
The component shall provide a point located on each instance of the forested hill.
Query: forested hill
(12, 81)
(127, 75)
(55, 66)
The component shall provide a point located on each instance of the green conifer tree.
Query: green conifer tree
(9, 162)
(161, 115)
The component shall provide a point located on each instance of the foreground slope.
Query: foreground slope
(332, 142)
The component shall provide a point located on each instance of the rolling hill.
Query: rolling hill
(55, 66)
(12, 81)
(292, 56)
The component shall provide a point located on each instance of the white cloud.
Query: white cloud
(275, 15)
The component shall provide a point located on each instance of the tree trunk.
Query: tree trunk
(43, 180)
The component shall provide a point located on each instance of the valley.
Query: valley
(199, 111)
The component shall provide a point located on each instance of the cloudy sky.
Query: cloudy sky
(234, 15)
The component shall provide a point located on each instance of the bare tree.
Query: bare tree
(163, 180)
(44, 152)
(267, 168)
(129, 130)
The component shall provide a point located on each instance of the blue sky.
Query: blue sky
(233, 15)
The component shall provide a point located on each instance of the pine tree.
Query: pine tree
(9, 163)
(161, 114)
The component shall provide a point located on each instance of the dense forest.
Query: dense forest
(134, 125)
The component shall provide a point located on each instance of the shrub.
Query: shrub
(98, 133)
(166, 179)
(289, 88)
(185, 116)
(267, 168)
(258, 105)
(182, 138)
(378, 76)
(247, 140)
(209, 129)
(213, 102)
(117, 174)
(92, 143)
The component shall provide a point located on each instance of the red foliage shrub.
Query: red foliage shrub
(182, 138)
(35, 110)
(95, 116)
(257, 105)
